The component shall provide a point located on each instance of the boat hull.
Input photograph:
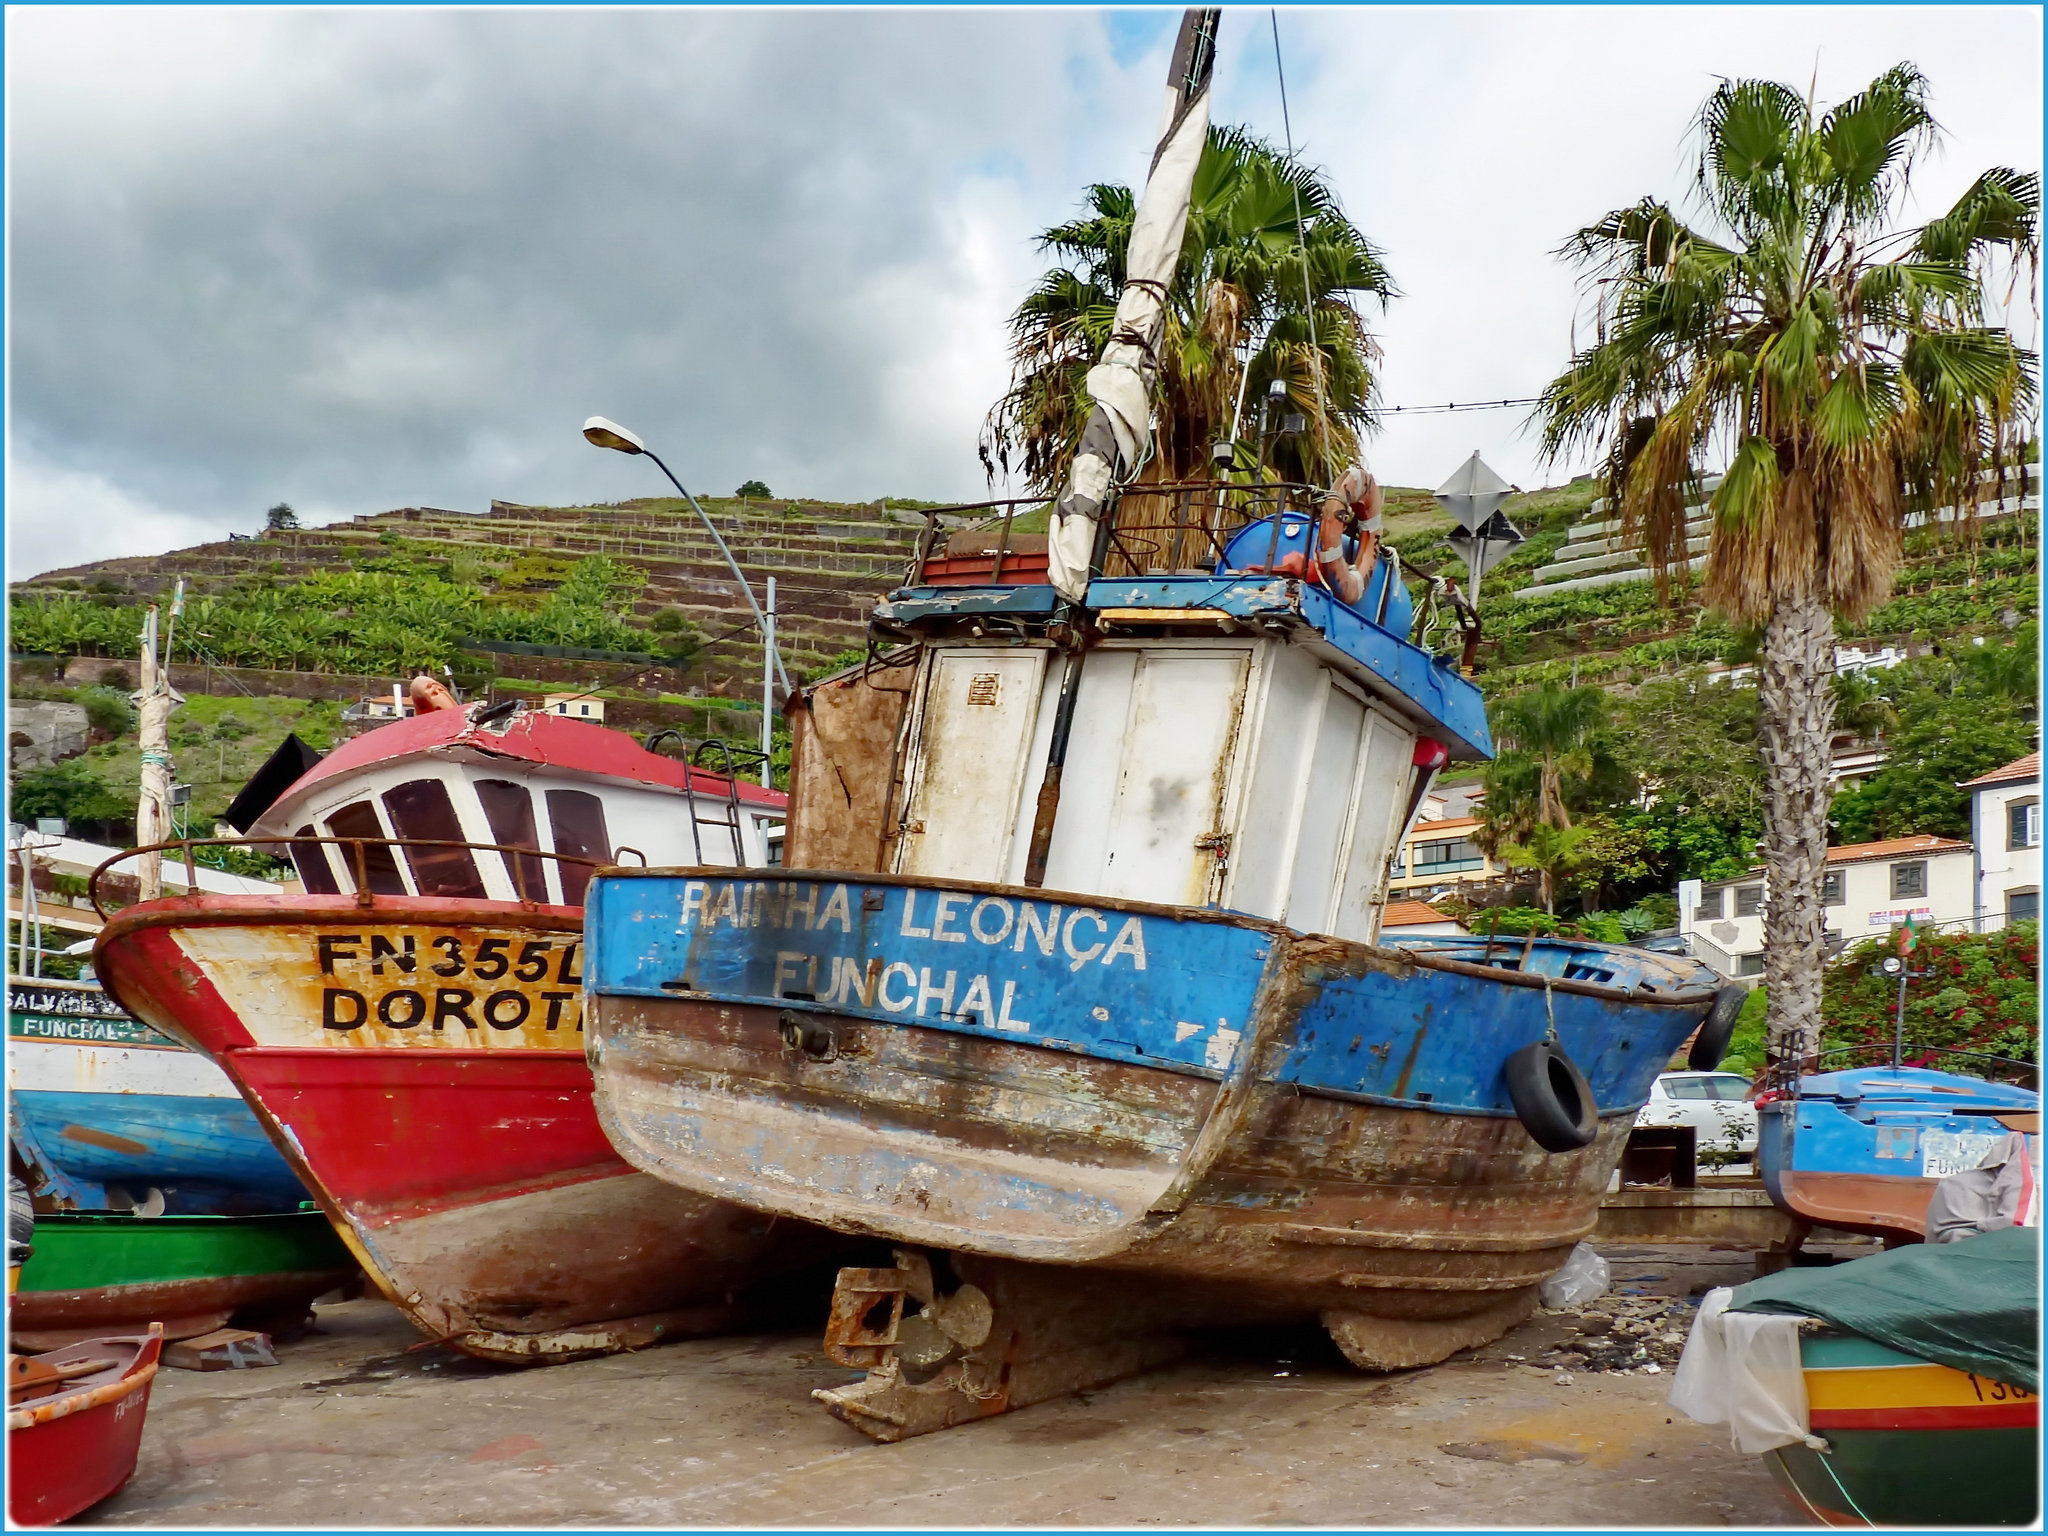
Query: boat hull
(68, 1451)
(420, 1062)
(106, 1109)
(1911, 1443)
(1296, 1126)
(1861, 1151)
(103, 1274)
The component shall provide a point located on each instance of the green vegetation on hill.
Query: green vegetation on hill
(1980, 995)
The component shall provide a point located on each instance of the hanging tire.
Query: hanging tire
(1552, 1098)
(1711, 1043)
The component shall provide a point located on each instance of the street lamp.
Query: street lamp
(609, 434)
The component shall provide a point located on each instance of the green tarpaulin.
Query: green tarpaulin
(1974, 1304)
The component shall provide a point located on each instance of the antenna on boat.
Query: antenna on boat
(1118, 435)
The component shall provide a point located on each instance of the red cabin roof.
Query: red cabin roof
(532, 736)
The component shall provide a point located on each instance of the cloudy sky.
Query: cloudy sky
(373, 258)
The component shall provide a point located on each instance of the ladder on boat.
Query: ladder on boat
(731, 762)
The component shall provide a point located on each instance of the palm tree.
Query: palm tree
(1543, 734)
(1843, 364)
(1240, 315)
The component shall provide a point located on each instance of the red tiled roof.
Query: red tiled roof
(1412, 914)
(1450, 824)
(1892, 848)
(2028, 767)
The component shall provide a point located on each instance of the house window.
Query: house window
(1749, 900)
(1713, 904)
(578, 822)
(2023, 906)
(2023, 825)
(1444, 857)
(1831, 888)
(1909, 879)
(1749, 965)
(373, 855)
(421, 810)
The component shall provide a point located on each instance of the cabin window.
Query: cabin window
(1831, 888)
(577, 819)
(310, 859)
(1909, 879)
(420, 809)
(2023, 906)
(1749, 900)
(376, 863)
(509, 809)
(2023, 825)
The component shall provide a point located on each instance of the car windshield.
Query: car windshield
(1721, 1086)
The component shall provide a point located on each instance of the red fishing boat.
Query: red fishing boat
(409, 1030)
(74, 1424)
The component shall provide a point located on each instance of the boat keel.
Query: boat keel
(1375, 1343)
(1008, 1336)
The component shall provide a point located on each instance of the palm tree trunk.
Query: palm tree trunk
(1797, 719)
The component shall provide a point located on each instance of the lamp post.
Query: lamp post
(609, 434)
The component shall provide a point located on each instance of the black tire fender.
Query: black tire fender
(1710, 1044)
(1552, 1098)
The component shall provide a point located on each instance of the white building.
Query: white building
(574, 706)
(2005, 829)
(1869, 889)
(1415, 920)
(1439, 856)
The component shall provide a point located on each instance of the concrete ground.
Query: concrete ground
(359, 1425)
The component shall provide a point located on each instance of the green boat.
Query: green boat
(94, 1273)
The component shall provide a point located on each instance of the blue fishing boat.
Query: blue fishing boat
(1861, 1148)
(1071, 984)
(109, 1115)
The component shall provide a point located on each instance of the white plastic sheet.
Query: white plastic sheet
(1583, 1278)
(1742, 1369)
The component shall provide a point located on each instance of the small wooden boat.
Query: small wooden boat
(108, 1114)
(1860, 1149)
(1910, 1442)
(410, 1029)
(100, 1274)
(74, 1424)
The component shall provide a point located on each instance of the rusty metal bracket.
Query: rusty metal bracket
(866, 1314)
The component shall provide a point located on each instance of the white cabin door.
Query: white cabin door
(1325, 811)
(1180, 738)
(973, 733)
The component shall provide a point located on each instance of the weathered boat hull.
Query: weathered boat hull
(1297, 1126)
(1910, 1442)
(1862, 1150)
(106, 1274)
(105, 1110)
(419, 1062)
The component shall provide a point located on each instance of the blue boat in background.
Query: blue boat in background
(1860, 1149)
(109, 1115)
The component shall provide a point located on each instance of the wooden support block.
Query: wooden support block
(225, 1349)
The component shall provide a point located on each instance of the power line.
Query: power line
(1476, 405)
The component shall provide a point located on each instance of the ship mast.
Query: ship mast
(1118, 436)
(155, 701)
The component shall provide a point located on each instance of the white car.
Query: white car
(1715, 1104)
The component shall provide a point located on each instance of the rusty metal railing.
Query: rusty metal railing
(1784, 1076)
(515, 855)
(1172, 528)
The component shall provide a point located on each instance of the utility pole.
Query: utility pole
(768, 687)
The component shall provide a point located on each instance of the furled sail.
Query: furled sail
(1119, 426)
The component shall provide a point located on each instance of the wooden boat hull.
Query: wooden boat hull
(419, 1061)
(1911, 1443)
(105, 1274)
(1297, 1127)
(106, 1109)
(1862, 1150)
(68, 1451)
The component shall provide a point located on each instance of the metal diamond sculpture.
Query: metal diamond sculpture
(1473, 494)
